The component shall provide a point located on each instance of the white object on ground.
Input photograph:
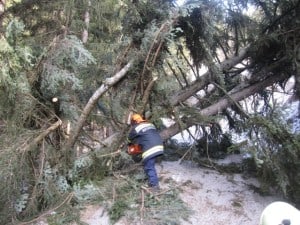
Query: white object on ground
(280, 213)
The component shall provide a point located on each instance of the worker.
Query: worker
(280, 213)
(145, 134)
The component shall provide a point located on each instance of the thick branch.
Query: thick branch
(224, 103)
(147, 92)
(43, 134)
(85, 33)
(109, 82)
(205, 78)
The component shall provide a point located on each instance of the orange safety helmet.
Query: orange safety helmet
(137, 118)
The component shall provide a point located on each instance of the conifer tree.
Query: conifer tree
(194, 64)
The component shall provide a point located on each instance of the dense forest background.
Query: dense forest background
(73, 70)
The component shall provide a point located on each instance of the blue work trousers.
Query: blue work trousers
(149, 168)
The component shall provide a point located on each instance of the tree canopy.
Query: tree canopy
(68, 64)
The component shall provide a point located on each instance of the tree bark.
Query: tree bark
(2, 8)
(224, 103)
(85, 33)
(109, 82)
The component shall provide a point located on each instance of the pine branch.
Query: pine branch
(155, 48)
(147, 92)
(65, 201)
(174, 73)
(152, 48)
(187, 61)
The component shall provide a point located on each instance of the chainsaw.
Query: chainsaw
(134, 149)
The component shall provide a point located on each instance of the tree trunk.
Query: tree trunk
(224, 103)
(205, 78)
(85, 33)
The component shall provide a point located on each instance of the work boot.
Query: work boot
(154, 189)
(151, 189)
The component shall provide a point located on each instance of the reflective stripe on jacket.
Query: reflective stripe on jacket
(152, 152)
(146, 135)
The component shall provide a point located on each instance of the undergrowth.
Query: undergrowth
(127, 196)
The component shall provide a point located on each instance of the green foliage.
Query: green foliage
(14, 61)
(16, 178)
(33, 179)
(13, 32)
(61, 73)
(142, 14)
(276, 151)
(117, 210)
(64, 61)
(82, 168)
(200, 28)
(21, 203)
(87, 193)
(165, 87)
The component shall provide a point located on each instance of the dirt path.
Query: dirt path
(215, 198)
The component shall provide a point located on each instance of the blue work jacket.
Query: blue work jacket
(146, 135)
